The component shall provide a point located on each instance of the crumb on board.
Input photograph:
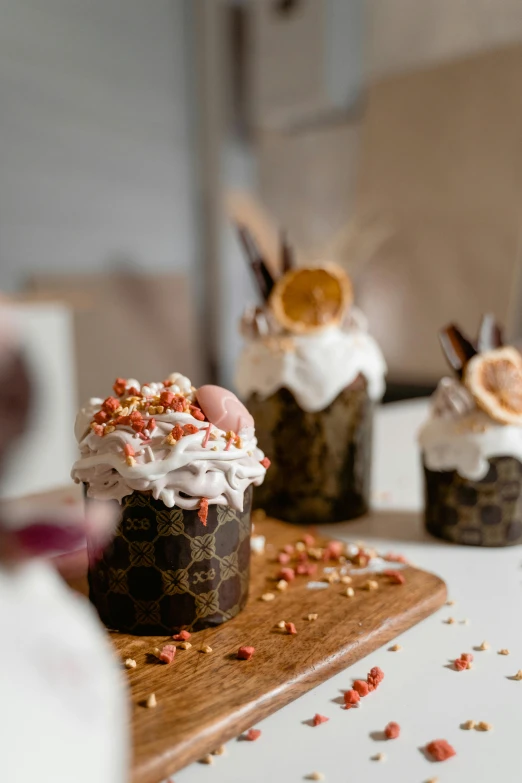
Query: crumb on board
(395, 648)
(206, 759)
(268, 596)
(440, 750)
(318, 719)
(503, 651)
(392, 730)
(518, 675)
(370, 584)
(379, 757)
(483, 726)
(449, 620)
(315, 776)
(219, 751)
(282, 584)
(130, 663)
(151, 701)
(468, 725)
(281, 624)
(245, 653)
(182, 636)
(185, 646)
(290, 629)
(465, 621)
(207, 649)
(450, 603)
(483, 646)
(312, 616)
(349, 592)
(252, 735)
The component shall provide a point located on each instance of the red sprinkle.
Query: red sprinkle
(177, 432)
(375, 676)
(182, 636)
(207, 435)
(252, 735)
(119, 386)
(166, 398)
(334, 550)
(440, 750)
(111, 404)
(245, 653)
(288, 574)
(203, 511)
(134, 392)
(351, 697)
(197, 413)
(290, 628)
(101, 417)
(395, 576)
(392, 730)
(460, 664)
(308, 540)
(318, 719)
(265, 462)
(129, 451)
(166, 383)
(283, 558)
(151, 424)
(167, 653)
(361, 686)
(190, 429)
(289, 549)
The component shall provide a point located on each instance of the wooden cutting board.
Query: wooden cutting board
(204, 700)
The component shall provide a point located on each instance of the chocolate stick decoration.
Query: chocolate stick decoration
(264, 280)
(490, 334)
(457, 349)
(287, 256)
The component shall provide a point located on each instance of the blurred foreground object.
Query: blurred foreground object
(63, 707)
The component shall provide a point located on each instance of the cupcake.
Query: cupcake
(472, 442)
(180, 464)
(310, 374)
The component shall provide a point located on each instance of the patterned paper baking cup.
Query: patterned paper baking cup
(477, 513)
(320, 462)
(164, 570)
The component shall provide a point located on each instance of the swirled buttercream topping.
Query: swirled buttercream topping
(157, 437)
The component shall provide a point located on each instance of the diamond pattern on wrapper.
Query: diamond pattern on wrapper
(487, 512)
(167, 571)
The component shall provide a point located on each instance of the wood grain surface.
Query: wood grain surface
(204, 700)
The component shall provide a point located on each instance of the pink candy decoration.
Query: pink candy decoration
(223, 409)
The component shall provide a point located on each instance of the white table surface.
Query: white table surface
(428, 699)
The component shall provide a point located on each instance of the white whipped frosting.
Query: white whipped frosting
(179, 475)
(459, 436)
(315, 367)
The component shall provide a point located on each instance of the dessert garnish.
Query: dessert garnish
(495, 380)
(489, 371)
(300, 299)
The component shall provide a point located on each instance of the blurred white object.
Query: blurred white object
(63, 712)
(42, 458)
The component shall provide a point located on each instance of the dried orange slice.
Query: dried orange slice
(495, 380)
(309, 298)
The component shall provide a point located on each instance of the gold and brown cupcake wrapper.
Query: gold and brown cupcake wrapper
(320, 462)
(477, 513)
(164, 570)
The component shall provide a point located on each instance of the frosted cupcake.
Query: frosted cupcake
(181, 464)
(310, 374)
(472, 442)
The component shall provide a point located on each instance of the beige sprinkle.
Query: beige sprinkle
(469, 665)
(151, 701)
(282, 584)
(281, 624)
(450, 603)
(379, 757)
(484, 646)
(160, 409)
(312, 616)
(350, 592)
(371, 584)
(503, 651)
(268, 597)
(332, 578)
(109, 428)
(300, 546)
(206, 649)
(346, 580)
(518, 675)
(449, 621)
(433, 780)
(469, 724)
(130, 663)
(316, 553)
(214, 448)
(316, 776)
(219, 751)
(130, 461)
(396, 648)
(207, 759)
(152, 410)
(185, 646)
(483, 726)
